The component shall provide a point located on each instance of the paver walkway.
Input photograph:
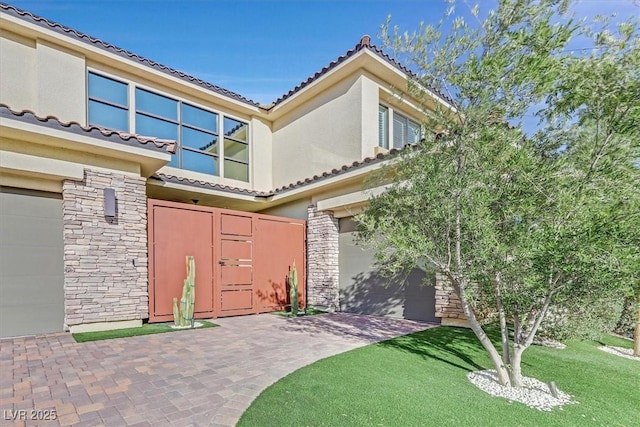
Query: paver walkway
(189, 378)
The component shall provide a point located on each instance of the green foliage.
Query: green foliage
(626, 322)
(585, 318)
(293, 288)
(517, 221)
(183, 315)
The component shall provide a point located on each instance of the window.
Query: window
(403, 130)
(199, 140)
(383, 126)
(195, 129)
(236, 150)
(108, 103)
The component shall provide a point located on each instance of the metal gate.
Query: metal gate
(242, 259)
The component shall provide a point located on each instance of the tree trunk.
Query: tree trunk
(636, 332)
(515, 371)
(504, 331)
(501, 369)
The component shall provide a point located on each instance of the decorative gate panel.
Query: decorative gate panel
(242, 259)
(174, 233)
(236, 264)
(279, 243)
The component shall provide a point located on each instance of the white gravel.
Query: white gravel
(620, 351)
(533, 393)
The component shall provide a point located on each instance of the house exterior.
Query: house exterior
(82, 122)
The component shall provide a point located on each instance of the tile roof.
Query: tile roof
(292, 186)
(52, 122)
(45, 23)
(364, 43)
(209, 185)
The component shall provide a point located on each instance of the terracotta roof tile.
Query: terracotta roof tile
(204, 184)
(307, 181)
(335, 172)
(28, 16)
(165, 145)
(364, 43)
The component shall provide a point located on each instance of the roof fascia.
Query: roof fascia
(149, 159)
(99, 55)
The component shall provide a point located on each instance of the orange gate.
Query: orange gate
(242, 259)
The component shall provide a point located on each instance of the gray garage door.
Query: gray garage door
(364, 291)
(31, 263)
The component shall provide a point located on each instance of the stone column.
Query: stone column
(448, 306)
(322, 259)
(105, 259)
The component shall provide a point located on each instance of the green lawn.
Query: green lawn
(145, 329)
(420, 380)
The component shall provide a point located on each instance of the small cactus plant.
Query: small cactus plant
(293, 286)
(183, 313)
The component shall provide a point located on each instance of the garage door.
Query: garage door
(364, 291)
(31, 263)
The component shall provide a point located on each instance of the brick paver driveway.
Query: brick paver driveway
(200, 377)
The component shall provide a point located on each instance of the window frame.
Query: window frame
(126, 108)
(237, 141)
(132, 109)
(391, 114)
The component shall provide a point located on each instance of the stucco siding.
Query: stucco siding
(261, 147)
(296, 209)
(61, 83)
(42, 77)
(18, 81)
(319, 136)
(369, 116)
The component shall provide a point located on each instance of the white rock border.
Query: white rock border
(619, 351)
(195, 325)
(533, 393)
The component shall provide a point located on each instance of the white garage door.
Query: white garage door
(31, 263)
(364, 291)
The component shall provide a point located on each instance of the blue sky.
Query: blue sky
(260, 49)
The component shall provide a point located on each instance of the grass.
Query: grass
(145, 329)
(309, 312)
(420, 380)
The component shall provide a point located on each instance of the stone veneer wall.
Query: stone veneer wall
(322, 259)
(448, 306)
(105, 260)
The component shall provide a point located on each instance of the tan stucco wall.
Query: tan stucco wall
(42, 77)
(18, 71)
(369, 114)
(261, 147)
(73, 156)
(295, 209)
(320, 135)
(61, 83)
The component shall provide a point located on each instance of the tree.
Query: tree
(515, 220)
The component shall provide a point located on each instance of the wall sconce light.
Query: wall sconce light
(109, 202)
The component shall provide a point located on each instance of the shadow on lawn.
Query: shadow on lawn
(440, 344)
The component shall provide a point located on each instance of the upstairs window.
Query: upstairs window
(405, 131)
(199, 140)
(108, 103)
(383, 126)
(236, 150)
(402, 130)
(196, 130)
